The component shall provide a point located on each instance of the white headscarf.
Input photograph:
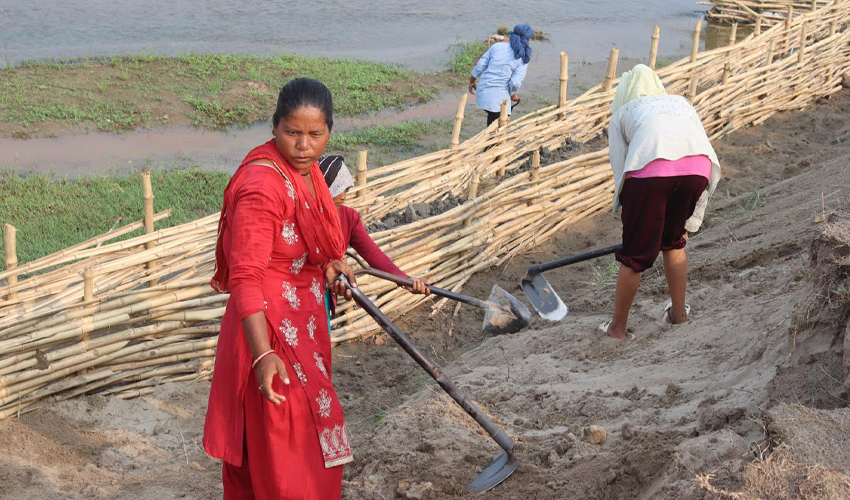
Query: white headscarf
(641, 81)
(336, 173)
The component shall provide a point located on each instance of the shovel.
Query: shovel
(540, 293)
(503, 313)
(500, 467)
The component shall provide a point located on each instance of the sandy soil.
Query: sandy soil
(761, 362)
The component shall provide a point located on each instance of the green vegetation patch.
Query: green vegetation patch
(122, 93)
(399, 137)
(465, 55)
(51, 213)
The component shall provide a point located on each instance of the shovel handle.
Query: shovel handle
(399, 280)
(599, 252)
(433, 370)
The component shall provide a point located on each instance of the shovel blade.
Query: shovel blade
(497, 471)
(504, 313)
(543, 298)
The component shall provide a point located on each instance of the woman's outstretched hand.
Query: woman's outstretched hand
(420, 287)
(265, 372)
(333, 270)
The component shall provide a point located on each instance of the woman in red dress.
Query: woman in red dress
(279, 431)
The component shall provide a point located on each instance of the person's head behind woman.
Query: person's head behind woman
(337, 177)
(302, 121)
(641, 81)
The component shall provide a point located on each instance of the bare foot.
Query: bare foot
(617, 331)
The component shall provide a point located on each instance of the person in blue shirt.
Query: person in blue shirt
(500, 71)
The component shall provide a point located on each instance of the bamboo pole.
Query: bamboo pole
(694, 83)
(535, 166)
(362, 169)
(147, 195)
(695, 41)
(653, 48)
(801, 53)
(458, 121)
(833, 25)
(474, 181)
(11, 251)
(88, 288)
(611, 72)
(757, 29)
(503, 122)
(563, 79)
(503, 114)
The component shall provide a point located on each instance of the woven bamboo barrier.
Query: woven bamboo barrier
(762, 12)
(123, 316)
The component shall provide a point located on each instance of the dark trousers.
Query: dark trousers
(654, 213)
(492, 116)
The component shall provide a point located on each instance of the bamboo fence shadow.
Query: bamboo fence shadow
(122, 317)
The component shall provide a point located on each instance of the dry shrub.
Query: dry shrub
(779, 477)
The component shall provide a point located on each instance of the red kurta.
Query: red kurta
(272, 451)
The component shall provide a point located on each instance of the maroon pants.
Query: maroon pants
(654, 213)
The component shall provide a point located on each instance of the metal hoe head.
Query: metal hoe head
(496, 471)
(504, 313)
(543, 298)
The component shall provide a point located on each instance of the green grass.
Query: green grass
(465, 55)
(742, 211)
(51, 213)
(604, 277)
(211, 90)
(399, 137)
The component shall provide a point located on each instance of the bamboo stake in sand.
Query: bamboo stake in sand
(458, 121)
(612, 70)
(147, 195)
(563, 79)
(88, 285)
(653, 48)
(692, 88)
(833, 25)
(757, 29)
(473, 186)
(362, 157)
(11, 249)
(802, 52)
(503, 121)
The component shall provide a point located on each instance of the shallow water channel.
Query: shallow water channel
(414, 34)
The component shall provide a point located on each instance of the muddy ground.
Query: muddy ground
(761, 362)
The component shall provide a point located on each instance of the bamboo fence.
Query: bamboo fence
(120, 317)
(762, 12)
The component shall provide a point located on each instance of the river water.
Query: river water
(412, 33)
(417, 35)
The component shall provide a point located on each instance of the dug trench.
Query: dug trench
(696, 410)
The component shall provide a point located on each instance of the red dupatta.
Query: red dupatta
(320, 225)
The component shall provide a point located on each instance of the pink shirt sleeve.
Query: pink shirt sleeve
(357, 237)
(253, 223)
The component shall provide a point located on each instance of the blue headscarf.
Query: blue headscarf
(519, 42)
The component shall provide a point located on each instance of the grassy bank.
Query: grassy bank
(122, 93)
(52, 212)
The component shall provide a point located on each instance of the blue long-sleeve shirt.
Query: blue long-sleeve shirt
(499, 75)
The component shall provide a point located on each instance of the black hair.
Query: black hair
(304, 92)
